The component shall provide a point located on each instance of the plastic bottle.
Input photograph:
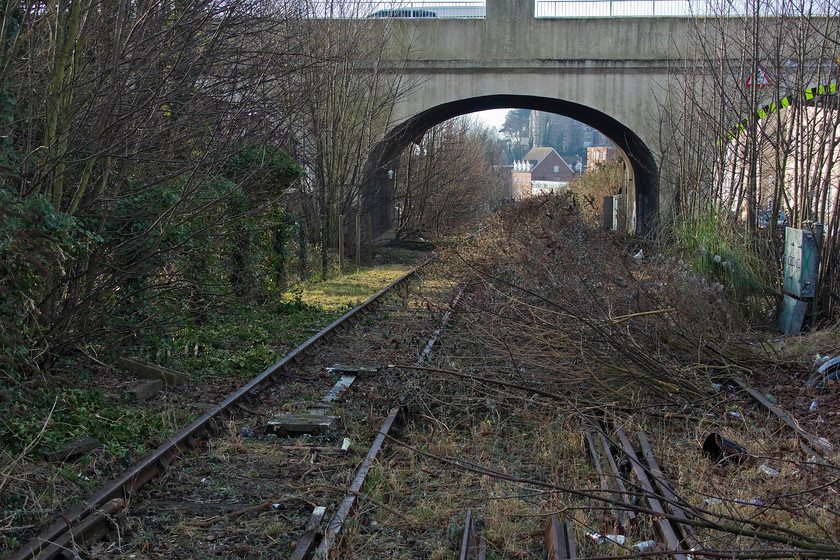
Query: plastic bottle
(644, 546)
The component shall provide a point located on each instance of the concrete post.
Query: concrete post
(509, 9)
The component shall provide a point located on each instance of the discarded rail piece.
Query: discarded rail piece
(474, 541)
(663, 525)
(559, 540)
(624, 516)
(87, 523)
(689, 539)
(822, 445)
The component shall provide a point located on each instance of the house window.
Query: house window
(557, 169)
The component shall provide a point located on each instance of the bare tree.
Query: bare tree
(754, 140)
(351, 94)
(447, 179)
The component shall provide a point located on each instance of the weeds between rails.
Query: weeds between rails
(581, 329)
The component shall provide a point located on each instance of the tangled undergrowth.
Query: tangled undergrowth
(552, 295)
(562, 331)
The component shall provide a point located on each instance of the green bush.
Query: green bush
(36, 244)
(79, 412)
(723, 252)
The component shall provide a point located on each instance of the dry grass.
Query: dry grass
(562, 328)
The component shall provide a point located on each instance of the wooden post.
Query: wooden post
(301, 231)
(358, 239)
(341, 244)
(369, 240)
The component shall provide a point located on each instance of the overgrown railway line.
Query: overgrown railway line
(284, 387)
(276, 469)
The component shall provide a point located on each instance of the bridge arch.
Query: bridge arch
(642, 188)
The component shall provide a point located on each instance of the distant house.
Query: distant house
(521, 177)
(805, 169)
(541, 170)
(596, 155)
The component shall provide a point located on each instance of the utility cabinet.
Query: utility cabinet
(792, 314)
(802, 256)
(802, 264)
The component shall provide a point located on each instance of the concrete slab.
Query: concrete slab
(73, 449)
(144, 391)
(293, 424)
(152, 371)
(338, 389)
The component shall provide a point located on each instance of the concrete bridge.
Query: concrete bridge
(609, 73)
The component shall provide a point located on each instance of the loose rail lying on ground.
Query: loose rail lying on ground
(822, 445)
(559, 540)
(474, 542)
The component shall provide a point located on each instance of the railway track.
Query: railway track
(233, 460)
(250, 484)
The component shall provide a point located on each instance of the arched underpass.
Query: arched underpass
(641, 190)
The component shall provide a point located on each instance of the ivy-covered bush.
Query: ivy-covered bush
(36, 245)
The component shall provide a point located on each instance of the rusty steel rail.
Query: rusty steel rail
(78, 523)
(815, 444)
(337, 522)
(605, 486)
(474, 541)
(625, 516)
(689, 538)
(666, 530)
(559, 540)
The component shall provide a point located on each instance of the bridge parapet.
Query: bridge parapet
(459, 9)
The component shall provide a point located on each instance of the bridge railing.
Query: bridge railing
(618, 8)
(560, 8)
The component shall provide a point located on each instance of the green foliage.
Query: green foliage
(262, 171)
(179, 267)
(243, 338)
(78, 412)
(35, 244)
(246, 341)
(7, 118)
(719, 251)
